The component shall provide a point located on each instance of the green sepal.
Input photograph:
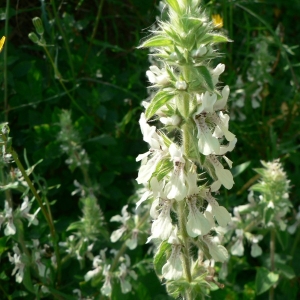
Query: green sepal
(198, 287)
(268, 215)
(156, 41)
(160, 257)
(164, 167)
(170, 111)
(180, 57)
(173, 35)
(160, 99)
(264, 280)
(206, 76)
(202, 159)
(174, 5)
(167, 141)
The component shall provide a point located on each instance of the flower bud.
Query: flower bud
(38, 24)
(33, 37)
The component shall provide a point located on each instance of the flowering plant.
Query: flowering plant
(189, 147)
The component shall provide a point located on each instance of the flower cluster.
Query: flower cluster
(190, 104)
(102, 268)
(265, 212)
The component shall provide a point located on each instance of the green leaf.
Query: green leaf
(157, 102)
(285, 270)
(19, 295)
(218, 38)
(58, 294)
(264, 280)
(156, 41)
(237, 170)
(160, 257)
(103, 139)
(27, 280)
(205, 74)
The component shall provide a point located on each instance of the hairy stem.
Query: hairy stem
(185, 241)
(272, 260)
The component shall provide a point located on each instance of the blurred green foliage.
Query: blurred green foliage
(93, 44)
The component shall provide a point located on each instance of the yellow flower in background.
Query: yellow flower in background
(217, 20)
(2, 41)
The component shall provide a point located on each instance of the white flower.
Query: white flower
(292, 228)
(24, 211)
(157, 76)
(115, 236)
(222, 126)
(41, 267)
(132, 242)
(173, 267)
(181, 85)
(106, 289)
(145, 195)
(173, 120)
(7, 218)
(227, 148)
(221, 103)
(206, 102)
(176, 188)
(220, 212)
(97, 265)
(218, 252)
(199, 52)
(256, 250)
(125, 284)
(224, 176)
(157, 150)
(238, 247)
(157, 188)
(162, 226)
(149, 133)
(197, 224)
(19, 265)
(207, 144)
(172, 270)
(216, 72)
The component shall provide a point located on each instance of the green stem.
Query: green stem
(59, 78)
(94, 32)
(186, 245)
(295, 244)
(277, 40)
(185, 240)
(44, 211)
(117, 257)
(64, 38)
(272, 260)
(7, 191)
(5, 63)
